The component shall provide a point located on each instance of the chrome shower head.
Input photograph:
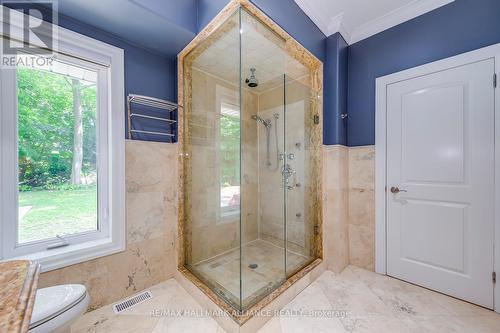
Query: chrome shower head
(252, 81)
(265, 122)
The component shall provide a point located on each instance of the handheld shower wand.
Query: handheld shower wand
(268, 125)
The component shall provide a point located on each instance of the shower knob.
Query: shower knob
(291, 156)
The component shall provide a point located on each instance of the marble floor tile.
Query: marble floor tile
(171, 310)
(297, 316)
(354, 301)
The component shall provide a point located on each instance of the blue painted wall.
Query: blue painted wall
(146, 73)
(335, 90)
(207, 10)
(461, 26)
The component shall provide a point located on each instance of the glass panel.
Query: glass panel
(57, 115)
(247, 171)
(299, 120)
(262, 218)
(212, 170)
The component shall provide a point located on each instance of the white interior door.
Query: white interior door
(440, 154)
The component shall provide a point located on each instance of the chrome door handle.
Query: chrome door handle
(397, 190)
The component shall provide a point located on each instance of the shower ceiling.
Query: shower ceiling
(258, 51)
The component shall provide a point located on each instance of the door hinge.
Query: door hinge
(316, 230)
(495, 80)
(494, 277)
(316, 119)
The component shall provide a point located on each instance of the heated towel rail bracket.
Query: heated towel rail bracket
(167, 118)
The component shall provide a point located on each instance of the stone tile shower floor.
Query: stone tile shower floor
(224, 270)
(362, 301)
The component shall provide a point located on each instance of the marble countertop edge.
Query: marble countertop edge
(18, 284)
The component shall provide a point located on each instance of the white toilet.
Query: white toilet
(57, 308)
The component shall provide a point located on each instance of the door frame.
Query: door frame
(490, 52)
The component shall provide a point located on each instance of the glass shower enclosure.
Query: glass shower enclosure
(248, 215)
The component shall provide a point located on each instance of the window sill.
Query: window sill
(73, 254)
(229, 217)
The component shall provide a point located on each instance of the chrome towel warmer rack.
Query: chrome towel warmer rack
(153, 103)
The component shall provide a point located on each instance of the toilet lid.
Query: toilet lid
(52, 301)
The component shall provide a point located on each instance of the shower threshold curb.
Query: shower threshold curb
(257, 315)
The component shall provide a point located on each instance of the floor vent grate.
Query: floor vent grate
(131, 301)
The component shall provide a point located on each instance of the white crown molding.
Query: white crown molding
(337, 25)
(398, 16)
(330, 26)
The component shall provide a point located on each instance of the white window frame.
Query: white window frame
(108, 62)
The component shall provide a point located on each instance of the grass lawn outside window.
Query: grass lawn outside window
(44, 214)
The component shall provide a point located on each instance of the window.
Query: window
(62, 154)
(57, 151)
(229, 151)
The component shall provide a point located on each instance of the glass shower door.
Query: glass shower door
(298, 198)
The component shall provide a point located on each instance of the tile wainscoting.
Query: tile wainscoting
(151, 176)
(151, 184)
(349, 177)
(361, 203)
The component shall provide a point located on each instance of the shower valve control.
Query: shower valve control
(291, 156)
(287, 173)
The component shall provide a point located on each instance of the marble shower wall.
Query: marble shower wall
(151, 200)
